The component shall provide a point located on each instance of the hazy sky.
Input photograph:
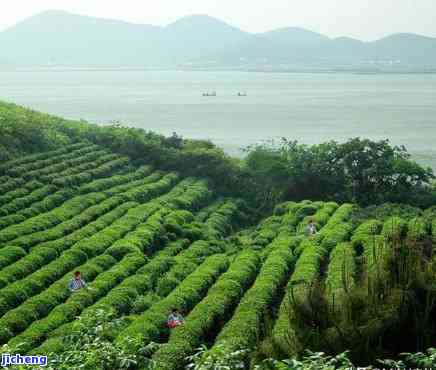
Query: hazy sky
(364, 19)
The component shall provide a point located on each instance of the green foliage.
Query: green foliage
(108, 166)
(394, 228)
(89, 347)
(47, 204)
(223, 359)
(184, 264)
(69, 226)
(41, 156)
(150, 240)
(26, 265)
(16, 293)
(303, 284)
(122, 298)
(76, 161)
(20, 203)
(425, 360)
(244, 328)
(297, 292)
(358, 170)
(144, 302)
(216, 306)
(9, 255)
(102, 184)
(322, 216)
(384, 211)
(336, 234)
(363, 233)
(69, 209)
(418, 229)
(21, 192)
(35, 306)
(306, 269)
(65, 312)
(371, 244)
(125, 187)
(151, 324)
(221, 222)
(64, 243)
(341, 273)
(282, 208)
(341, 214)
(284, 224)
(25, 131)
(311, 361)
(126, 296)
(8, 184)
(367, 305)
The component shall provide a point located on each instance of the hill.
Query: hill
(63, 39)
(156, 224)
(147, 241)
(56, 37)
(410, 48)
(60, 38)
(295, 46)
(270, 173)
(195, 36)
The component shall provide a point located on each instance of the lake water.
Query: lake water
(310, 108)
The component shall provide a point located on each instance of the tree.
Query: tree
(359, 170)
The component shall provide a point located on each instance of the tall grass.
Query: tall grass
(389, 309)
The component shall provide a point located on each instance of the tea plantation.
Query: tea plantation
(147, 241)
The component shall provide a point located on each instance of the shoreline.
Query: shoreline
(294, 70)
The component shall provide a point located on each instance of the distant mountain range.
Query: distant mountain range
(63, 39)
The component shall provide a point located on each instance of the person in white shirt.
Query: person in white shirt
(77, 283)
(311, 228)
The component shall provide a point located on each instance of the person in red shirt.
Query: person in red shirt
(175, 319)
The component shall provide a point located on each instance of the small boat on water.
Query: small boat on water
(213, 93)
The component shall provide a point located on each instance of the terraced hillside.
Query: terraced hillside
(148, 241)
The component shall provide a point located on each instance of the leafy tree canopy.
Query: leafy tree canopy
(359, 170)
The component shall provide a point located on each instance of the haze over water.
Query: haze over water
(310, 108)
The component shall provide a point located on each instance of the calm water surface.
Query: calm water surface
(310, 108)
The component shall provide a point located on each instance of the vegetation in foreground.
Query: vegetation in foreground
(255, 289)
(90, 348)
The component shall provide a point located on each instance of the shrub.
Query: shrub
(40, 157)
(62, 313)
(364, 231)
(16, 320)
(9, 255)
(218, 303)
(26, 265)
(418, 229)
(297, 291)
(116, 180)
(89, 346)
(394, 228)
(245, 326)
(43, 160)
(340, 275)
(151, 325)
